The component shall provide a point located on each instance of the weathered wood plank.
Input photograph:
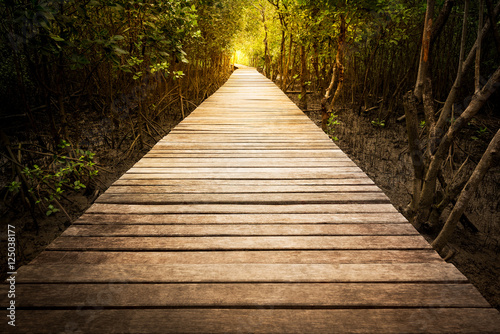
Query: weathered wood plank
(263, 257)
(268, 163)
(232, 153)
(246, 208)
(250, 198)
(239, 243)
(232, 273)
(221, 174)
(385, 321)
(211, 188)
(228, 219)
(324, 295)
(310, 183)
(232, 146)
(239, 230)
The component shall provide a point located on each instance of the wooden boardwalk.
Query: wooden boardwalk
(246, 218)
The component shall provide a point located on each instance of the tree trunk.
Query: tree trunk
(324, 101)
(282, 59)
(470, 188)
(429, 186)
(415, 150)
(424, 54)
(267, 65)
(443, 118)
(303, 78)
(339, 59)
(477, 67)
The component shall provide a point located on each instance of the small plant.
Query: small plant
(422, 124)
(480, 132)
(14, 186)
(379, 123)
(332, 121)
(69, 170)
(51, 209)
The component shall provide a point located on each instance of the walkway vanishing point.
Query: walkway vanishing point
(246, 218)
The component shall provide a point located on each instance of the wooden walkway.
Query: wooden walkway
(246, 218)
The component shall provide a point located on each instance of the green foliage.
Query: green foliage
(378, 123)
(332, 121)
(14, 186)
(70, 170)
(51, 209)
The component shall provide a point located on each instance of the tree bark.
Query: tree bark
(324, 101)
(425, 51)
(339, 59)
(429, 186)
(470, 188)
(443, 118)
(303, 78)
(415, 150)
(477, 67)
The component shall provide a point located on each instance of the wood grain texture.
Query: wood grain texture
(239, 218)
(249, 256)
(240, 230)
(232, 273)
(239, 243)
(319, 295)
(384, 321)
(245, 218)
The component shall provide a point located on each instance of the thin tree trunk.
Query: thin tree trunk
(429, 186)
(303, 77)
(266, 70)
(477, 67)
(424, 54)
(339, 59)
(443, 118)
(417, 159)
(282, 58)
(470, 188)
(324, 101)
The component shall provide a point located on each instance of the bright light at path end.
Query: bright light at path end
(239, 57)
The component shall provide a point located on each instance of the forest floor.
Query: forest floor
(113, 163)
(381, 152)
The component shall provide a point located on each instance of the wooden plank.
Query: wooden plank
(239, 243)
(233, 273)
(268, 163)
(211, 188)
(251, 198)
(253, 153)
(310, 183)
(263, 257)
(244, 295)
(222, 175)
(231, 146)
(246, 208)
(229, 219)
(385, 321)
(242, 170)
(239, 230)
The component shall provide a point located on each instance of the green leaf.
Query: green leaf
(119, 51)
(57, 38)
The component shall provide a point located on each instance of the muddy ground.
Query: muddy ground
(112, 164)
